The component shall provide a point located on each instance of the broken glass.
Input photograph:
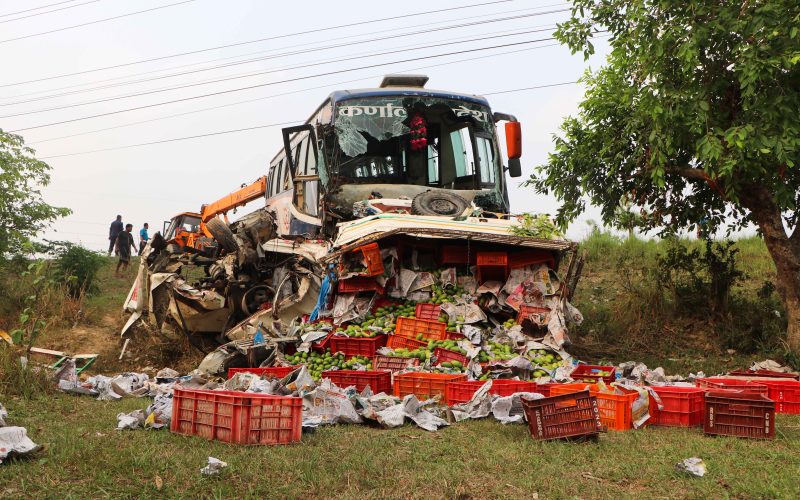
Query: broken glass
(382, 118)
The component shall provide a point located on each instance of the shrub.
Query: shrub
(76, 267)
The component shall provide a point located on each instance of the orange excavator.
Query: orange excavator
(203, 231)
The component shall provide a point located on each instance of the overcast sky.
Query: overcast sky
(152, 183)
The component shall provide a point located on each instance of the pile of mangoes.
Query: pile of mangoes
(497, 352)
(440, 295)
(450, 345)
(358, 331)
(315, 327)
(420, 354)
(385, 317)
(545, 360)
(319, 362)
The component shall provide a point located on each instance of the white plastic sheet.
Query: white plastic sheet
(14, 441)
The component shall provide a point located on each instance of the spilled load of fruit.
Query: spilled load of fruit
(484, 311)
(415, 329)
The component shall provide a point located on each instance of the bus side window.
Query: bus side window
(286, 175)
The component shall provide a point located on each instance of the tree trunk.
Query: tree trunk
(785, 253)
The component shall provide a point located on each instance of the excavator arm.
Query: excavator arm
(231, 201)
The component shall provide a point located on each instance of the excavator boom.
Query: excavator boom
(236, 199)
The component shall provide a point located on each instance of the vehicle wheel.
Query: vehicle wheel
(255, 297)
(222, 233)
(438, 203)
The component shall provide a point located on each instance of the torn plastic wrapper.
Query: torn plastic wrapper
(694, 466)
(509, 410)
(770, 365)
(411, 408)
(159, 413)
(14, 441)
(349, 306)
(132, 420)
(327, 404)
(640, 408)
(213, 467)
(470, 313)
(479, 406)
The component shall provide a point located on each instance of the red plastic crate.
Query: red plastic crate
(740, 414)
(764, 373)
(615, 409)
(590, 372)
(461, 392)
(237, 417)
(732, 383)
(393, 364)
(357, 346)
(322, 345)
(492, 266)
(377, 380)
(531, 258)
(398, 341)
(545, 389)
(785, 393)
(425, 385)
(372, 258)
(267, 372)
(683, 406)
(428, 311)
(410, 328)
(358, 284)
(451, 254)
(573, 415)
(454, 336)
(526, 311)
(443, 355)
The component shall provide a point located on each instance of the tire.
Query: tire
(222, 233)
(440, 203)
(255, 297)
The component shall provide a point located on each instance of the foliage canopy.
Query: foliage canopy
(698, 103)
(23, 211)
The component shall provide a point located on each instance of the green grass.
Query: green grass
(112, 291)
(86, 457)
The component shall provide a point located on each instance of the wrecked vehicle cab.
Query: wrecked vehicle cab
(396, 193)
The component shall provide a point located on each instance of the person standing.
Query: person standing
(143, 238)
(113, 232)
(124, 245)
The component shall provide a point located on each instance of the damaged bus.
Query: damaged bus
(372, 198)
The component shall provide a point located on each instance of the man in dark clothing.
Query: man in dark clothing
(113, 232)
(124, 245)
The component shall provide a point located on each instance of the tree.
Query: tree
(694, 117)
(23, 212)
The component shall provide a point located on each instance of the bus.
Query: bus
(398, 148)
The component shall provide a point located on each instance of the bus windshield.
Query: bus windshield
(421, 141)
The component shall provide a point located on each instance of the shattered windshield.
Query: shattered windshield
(415, 140)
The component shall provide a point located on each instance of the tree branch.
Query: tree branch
(690, 173)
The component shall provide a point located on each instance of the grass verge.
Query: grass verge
(86, 457)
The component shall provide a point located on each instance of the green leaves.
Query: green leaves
(696, 105)
(23, 212)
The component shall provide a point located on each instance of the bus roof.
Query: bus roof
(343, 95)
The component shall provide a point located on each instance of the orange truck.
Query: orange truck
(205, 230)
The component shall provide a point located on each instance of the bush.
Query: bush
(76, 267)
